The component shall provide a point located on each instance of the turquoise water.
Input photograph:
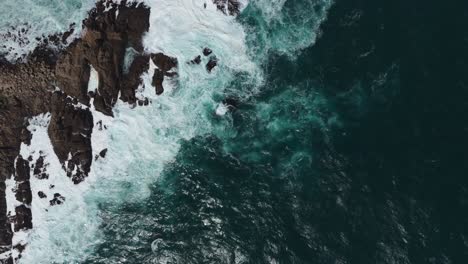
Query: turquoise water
(27, 20)
(230, 195)
(343, 142)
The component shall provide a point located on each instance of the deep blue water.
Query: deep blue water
(354, 151)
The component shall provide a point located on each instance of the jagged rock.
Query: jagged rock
(230, 7)
(157, 82)
(107, 36)
(211, 63)
(165, 64)
(58, 199)
(5, 227)
(41, 195)
(23, 218)
(70, 131)
(132, 79)
(196, 60)
(39, 169)
(103, 153)
(27, 89)
(23, 193)
(73, 72)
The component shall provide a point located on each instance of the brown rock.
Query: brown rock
(70, 131)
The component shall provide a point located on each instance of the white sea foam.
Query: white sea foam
(50, 239)
(93, 82)
(37, 18)
(140, 140)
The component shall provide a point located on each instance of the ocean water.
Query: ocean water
(24, 22)
(346, 143)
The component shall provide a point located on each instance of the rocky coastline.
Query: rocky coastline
(54, 79)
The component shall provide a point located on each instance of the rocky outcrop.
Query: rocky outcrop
(25, 91)
(70, 131)
(165, 67)
(209, 66)
(57, 82)
(229, 7)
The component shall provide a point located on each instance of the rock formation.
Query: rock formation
(55, 81)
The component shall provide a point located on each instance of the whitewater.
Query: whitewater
(141, 141)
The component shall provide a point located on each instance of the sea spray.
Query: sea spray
(141, 140)
(26, 22)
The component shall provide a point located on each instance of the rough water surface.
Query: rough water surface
(298, 131)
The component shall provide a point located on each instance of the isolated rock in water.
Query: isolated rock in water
(103, 153)
(196, 60)
(207, 51)
(22, 170)
(55, 81)
(41, 195)
(164, 62)
(166, 66)
(23, 218)
(39, 169)
(228, 7)
(58, 199)
(211, 64)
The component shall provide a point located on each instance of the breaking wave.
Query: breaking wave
(143, 141)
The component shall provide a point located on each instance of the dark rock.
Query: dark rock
(41, 195)
(5, 227)
(22, 170)
(211, 64)
(103, 153)
(157, 82)
(70, 131)
(132, 80)
(207, 51)
(58, 199)
(228, 7)
(19, 247)
(23, 218)
(23, 193)
(164, 64)
(26, 90)
(196, 60)
(39, 165)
